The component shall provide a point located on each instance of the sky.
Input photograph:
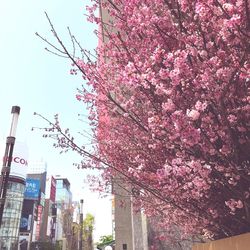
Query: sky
(38, 81)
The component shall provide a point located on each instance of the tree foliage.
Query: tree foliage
(169, 102)
(67, 222)
(105, 239)
(88, 227)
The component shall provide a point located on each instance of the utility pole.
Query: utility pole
(10, 141)
(81, 224)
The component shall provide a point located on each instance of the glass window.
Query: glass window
(12, 213)
(59, 184)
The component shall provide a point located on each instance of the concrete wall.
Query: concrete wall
(240, 242)
(130, 226)
(123, 219)
(140, 232)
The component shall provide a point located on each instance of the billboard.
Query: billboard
(24, 240)
(51, 227)
(51, 188)
(32, 189)
(19, 161)
(26, 218)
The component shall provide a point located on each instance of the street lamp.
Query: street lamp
(81, 224)
(10, 141)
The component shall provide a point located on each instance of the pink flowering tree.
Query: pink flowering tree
(170, 108)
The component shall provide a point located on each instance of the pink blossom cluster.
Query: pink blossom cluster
(170, 103)
(233, 204)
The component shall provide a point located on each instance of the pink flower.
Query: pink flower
(239, 204)
(193, 114)
(233, 204)
(232, 118)
(200, 106)
(168, 106)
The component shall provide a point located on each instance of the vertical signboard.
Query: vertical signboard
(42, 199)
(51, 188)
(39, 221)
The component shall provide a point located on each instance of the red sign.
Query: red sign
(17, 159)
(39, 220)
(53, 189)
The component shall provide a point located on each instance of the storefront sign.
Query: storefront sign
(32, 189)
(19, 161)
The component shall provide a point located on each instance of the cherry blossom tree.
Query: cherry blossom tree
(169, 102)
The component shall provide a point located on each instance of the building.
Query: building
(34, 202)
(29, 211)
(40, 204)
(49, 225)
(9, 231)
(63, 193)
(63, 203)
(37, 167)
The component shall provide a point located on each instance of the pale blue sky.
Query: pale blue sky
(38, 81)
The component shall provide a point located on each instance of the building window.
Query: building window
(59, 183)
(11, 214)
